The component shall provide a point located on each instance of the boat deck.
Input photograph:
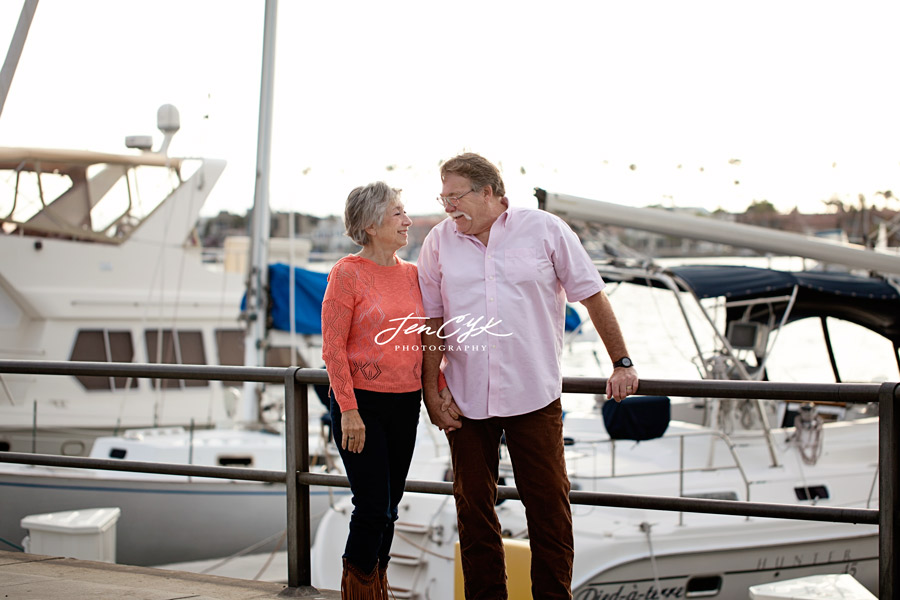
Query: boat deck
(32, 576)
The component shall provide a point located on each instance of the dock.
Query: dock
(36, 577)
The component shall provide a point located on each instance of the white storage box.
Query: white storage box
(814, 587)
(89, 534)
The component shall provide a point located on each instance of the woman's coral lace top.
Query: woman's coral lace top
(371, 316)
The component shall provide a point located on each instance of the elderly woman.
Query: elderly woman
(375, 368)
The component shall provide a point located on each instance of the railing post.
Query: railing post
(888, 487)
(296, 436)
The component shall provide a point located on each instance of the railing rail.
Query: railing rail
(296, 382)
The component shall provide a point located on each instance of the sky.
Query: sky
(711, 104)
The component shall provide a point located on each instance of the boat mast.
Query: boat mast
(257, 278)
(734, 234)
(15, 49)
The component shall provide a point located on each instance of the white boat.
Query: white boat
(102, 263)
(85, 276)
(773, 452)
(103, 267)
(169, 518)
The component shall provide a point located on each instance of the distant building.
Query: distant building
(214, 230)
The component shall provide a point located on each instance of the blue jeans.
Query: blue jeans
(377, 474)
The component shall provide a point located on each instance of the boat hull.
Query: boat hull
(727, 571)
(163, 520)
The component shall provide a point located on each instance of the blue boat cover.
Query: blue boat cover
(572, 318)
(309, 290)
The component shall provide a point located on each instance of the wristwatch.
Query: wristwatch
(623, 362)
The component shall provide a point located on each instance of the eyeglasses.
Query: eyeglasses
(452, 200)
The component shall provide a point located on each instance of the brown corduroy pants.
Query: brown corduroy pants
(535, 445)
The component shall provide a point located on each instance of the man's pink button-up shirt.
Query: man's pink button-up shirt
(504, 308)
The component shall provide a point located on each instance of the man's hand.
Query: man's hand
(622, 383)
(443, 411)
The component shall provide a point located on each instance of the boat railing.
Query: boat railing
(682, 469)
(297, 478)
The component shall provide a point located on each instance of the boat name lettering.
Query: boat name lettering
(635, 593)
(473, 326)
(797, 560)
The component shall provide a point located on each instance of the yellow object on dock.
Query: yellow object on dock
(518, 570)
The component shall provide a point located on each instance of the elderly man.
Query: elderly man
(494, 283)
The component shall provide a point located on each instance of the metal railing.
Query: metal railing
(296, 381)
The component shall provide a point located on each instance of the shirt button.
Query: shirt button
(491, 277)
(491, 300)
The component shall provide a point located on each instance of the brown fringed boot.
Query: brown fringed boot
(356, 585)
(383, 587)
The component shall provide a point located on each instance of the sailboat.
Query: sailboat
(793, 453)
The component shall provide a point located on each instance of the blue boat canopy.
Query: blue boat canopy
(870, 302)
(736, 282)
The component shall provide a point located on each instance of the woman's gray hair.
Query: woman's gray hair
(365, 207)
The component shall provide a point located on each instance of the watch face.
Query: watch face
(625, 362)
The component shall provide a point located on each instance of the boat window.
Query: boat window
(280, 356)
(703, 586)
(123, 198)
(182, 348)
(861, 355)
(230, 347)
(117, 452)
(103, 345)
(812, 492)
(115, 202)
(21, 193)
(63, 197)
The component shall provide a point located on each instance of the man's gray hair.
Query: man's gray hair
(365, 207)
(478, 170)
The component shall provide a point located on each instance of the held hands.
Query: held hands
(353, 431)
(622, 383)
(443, 411)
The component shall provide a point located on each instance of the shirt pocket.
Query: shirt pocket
(521, 265)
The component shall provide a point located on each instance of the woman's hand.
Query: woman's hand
(353, 431)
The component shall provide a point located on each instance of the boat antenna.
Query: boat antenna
(169, 122)
(15, 49)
